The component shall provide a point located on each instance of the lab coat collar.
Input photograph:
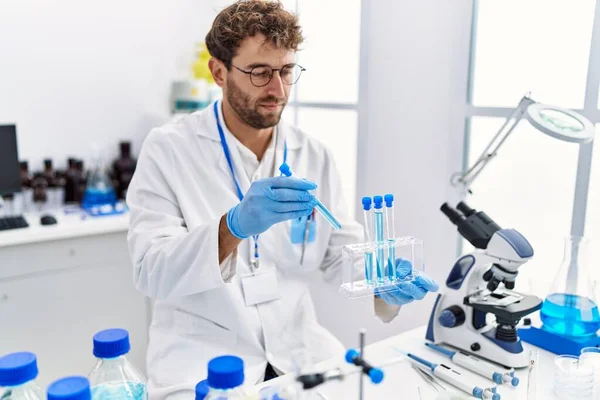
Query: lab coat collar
(208, 128)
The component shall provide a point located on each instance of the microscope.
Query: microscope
(480, 285)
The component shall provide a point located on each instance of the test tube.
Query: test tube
(368, 215)
(381, 262)
(391, 235)
(287, 171)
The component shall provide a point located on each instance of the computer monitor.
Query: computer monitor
(10, 177)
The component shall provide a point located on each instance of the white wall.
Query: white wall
(73, 70)
(410, 140)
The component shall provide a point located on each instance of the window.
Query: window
(551, 49)
(324, 102)
(593, 214)
(338, 130)
(539, 46)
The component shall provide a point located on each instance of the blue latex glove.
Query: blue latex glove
(407, 292)
(269, 201)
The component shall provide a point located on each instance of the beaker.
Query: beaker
(570, 309)
(99, 190)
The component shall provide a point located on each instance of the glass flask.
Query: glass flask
(99, 196)
(570, 309)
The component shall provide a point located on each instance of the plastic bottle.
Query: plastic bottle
(114, 377)
(17, 377)
(225, 378)
(70, 388)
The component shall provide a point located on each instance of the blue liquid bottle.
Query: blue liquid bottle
(225, 378)
(114, 377)
(17, 377)
(70, 388)
(571, 309)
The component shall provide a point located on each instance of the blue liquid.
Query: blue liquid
(381, 262)
(391, 264)
(327, 215)
(96, 197)
(369, 268)
(570, 315)
(119, 391)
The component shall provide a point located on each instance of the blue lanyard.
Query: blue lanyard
(230, 163)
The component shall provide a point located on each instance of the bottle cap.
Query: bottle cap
(378, 200)
(111, 343)
(285, 169)
(202, 389)
(70, 388)
(389, 200)
(18, 368)
(366, 202)
(225, 372)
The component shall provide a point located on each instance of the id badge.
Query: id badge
(260, 286)
(303, 231)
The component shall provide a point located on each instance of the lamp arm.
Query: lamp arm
(491, 151)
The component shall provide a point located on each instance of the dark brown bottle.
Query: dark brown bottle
(123, 169)
(71, 182)
(82, 181)
(48, 172)
(40, 187)
(25, 177)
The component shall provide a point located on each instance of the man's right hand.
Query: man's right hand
(269, 201)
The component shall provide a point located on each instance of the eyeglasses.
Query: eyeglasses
(261, 75)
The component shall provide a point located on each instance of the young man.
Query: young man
(212, 223)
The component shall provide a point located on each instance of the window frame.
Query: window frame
(591, 110)
(295, 104)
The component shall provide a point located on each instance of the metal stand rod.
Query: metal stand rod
(362, 356)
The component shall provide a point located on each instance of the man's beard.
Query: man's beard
(243, 107)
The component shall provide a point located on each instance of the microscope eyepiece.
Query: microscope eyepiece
(452, 214)
(465, 209)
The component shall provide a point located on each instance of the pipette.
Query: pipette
(391, 235)
(532, 375)
(478, 365)
(456, 379)
(287, 171)
(368, 215)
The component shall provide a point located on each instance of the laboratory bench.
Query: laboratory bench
(61, 283)
(401, 381)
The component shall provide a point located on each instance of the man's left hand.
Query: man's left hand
(407, 292)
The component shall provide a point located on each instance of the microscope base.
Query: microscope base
(556, 343)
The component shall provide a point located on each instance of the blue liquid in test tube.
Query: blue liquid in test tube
(381, 261)
(368, 215)
(287, 171)
(391, 235)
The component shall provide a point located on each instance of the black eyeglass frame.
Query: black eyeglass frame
(273, 70)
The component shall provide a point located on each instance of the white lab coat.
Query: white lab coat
(181, 188)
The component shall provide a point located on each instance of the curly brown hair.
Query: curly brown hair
(246, 18)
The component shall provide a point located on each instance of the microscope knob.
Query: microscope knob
(452, 316)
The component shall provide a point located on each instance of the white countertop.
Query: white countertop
(72, 225)
(401, 381)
